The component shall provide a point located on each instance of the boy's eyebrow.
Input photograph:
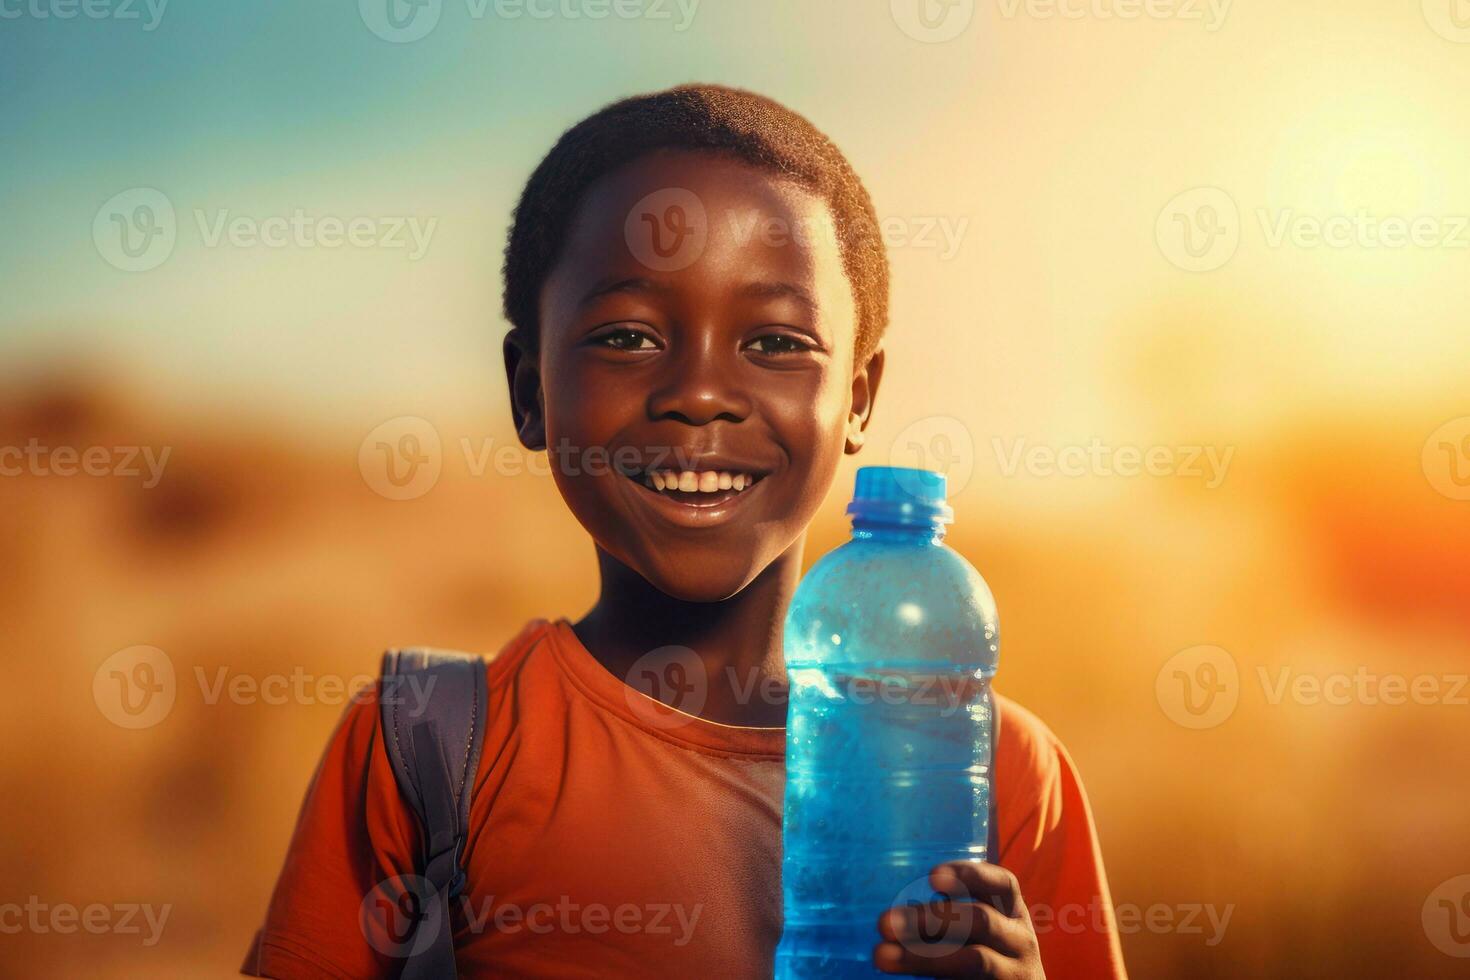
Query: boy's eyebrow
(635, 284)
(777, 290)
(766, 289)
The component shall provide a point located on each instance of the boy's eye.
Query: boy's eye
(778, 343)
(626, 338)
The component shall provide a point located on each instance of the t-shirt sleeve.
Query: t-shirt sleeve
(1049, 842)
(352, 834)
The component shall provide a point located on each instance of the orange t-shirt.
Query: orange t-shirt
(612, 836)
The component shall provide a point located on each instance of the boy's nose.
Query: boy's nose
(696, 391)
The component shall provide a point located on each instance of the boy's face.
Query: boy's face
(705, 351)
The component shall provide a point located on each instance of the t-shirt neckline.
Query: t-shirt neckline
(653, 716)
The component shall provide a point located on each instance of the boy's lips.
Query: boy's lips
(695, 508)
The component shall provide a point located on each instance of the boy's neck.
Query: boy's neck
(738, 640)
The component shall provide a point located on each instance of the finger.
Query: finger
(982, 881)
(961, 961)
(945, 922)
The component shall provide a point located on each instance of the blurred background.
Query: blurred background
(1179, 303)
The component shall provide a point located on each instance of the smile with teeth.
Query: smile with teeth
(706, 481)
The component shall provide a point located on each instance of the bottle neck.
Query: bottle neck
(867, 529)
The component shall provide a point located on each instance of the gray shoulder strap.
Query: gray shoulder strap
(433, 713)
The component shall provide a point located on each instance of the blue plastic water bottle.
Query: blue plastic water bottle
(891, 642)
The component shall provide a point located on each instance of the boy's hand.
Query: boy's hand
(991, 936)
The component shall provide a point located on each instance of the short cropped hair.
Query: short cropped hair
(709, 118)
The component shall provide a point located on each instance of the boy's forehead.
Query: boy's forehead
(665, 209)
(672, 213)
(717, 179)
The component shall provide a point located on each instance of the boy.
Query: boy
(723, 370)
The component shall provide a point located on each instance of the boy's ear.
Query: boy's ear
(864, 392)
(523, 379)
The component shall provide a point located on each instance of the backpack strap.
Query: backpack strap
(433, 718)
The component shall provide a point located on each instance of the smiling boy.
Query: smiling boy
(725, 373)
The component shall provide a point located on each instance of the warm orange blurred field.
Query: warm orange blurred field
(1320, 830)
(1118, 227)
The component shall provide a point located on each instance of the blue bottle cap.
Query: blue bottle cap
(900, 495)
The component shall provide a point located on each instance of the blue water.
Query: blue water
(891, 642)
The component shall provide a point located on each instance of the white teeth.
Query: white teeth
(703, 481)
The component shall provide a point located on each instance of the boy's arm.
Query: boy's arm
(1042, 908)
(351, 835)
(1051, 847)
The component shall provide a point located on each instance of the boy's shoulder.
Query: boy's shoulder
(360, 720)
(1031, 763)
(500, 662)
(1037, 787)
(1025, 739)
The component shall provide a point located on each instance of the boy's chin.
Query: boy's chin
(698, 581)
